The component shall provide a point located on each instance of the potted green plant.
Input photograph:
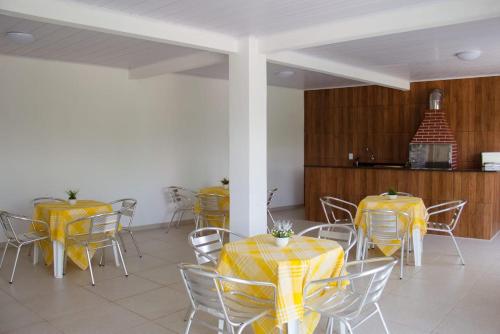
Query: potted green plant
(282, 231)
(392, 193)
(72, 196)
(225, 183)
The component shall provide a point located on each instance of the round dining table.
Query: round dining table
(304, 259)
(414, 206)
(58, 215)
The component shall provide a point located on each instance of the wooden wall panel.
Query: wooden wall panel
(481, 191)
(339, 121)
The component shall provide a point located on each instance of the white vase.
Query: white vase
(392, 196)
(72, 201)
(281, 242)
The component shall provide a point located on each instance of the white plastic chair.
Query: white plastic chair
(11, 226)
(127, 208)
(456, 207)
(399, 193)
(182, 200)
(211, 211)
(207, 243)
(270, 196)
(338, 211)
(208, 292)
(39, 200)
(384, 227)
(343, 234)
(99, 232)
(356, 302)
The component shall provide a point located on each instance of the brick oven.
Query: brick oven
(434, 145)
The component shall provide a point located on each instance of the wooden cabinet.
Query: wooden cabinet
(481, 216)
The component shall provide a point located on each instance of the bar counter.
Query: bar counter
(480, 218)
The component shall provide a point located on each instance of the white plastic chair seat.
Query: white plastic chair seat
(342, 303)
(29, 237)
(438, 226)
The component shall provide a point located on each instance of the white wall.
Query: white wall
(66, 125)
(285, 145)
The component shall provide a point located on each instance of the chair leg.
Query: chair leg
(180, 219)
(135, 243)
(121, 258)
(102, 260)
(123, 243)
(4, 252)
(90, 265)
(382, 318)
(270, 215)
(401, 263)
(458, 249)
(190, 321)
(188, 312)
(15, 265)
(171, 221)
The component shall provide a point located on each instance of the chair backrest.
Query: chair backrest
(399, 193)
(211, 203)
(100, 227)
(270, 196)
(180, 197)
(455, 207)
(224, 297)
(127, 206)
(337, 209)
(39, 200)
(203, 288)
(11, 225)
(207, 243)
(367, 280)
(344, 235)
(385, 225)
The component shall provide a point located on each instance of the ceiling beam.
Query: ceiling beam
(179, 64)
(83, 16)
(405, 19)
(325, 66)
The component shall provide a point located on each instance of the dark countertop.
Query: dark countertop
(475, 170)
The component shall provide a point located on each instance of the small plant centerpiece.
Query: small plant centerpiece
(225, 183)
(282, 231)
(392, 194)
(72, 196)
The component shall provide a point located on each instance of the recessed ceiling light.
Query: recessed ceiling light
(468, 55)
(20, 37)
(285, 73)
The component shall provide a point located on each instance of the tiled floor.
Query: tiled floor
(440, 297)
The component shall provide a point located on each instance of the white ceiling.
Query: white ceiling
(244, 17)
(424, 54)
(299, 80)
(84, 46)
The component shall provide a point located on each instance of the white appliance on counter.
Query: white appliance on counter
(490, 161)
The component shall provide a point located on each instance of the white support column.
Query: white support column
(248, 138)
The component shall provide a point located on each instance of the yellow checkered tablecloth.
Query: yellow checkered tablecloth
(290, 268)
(223, 203)
(57, 215)
(412, 205)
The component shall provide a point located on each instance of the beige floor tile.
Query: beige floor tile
(14, 316)
(38, 328)
(466, 319)
(413, 313)
(136, 264)
(147, 328)
(121, 287)
(175, 322)
(62, 302)
(165, 275)
(107, 318)
(155, 303)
